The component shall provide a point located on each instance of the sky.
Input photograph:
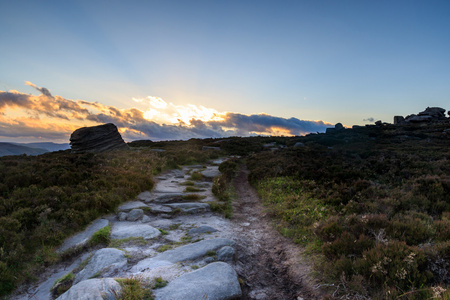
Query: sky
(193, 69)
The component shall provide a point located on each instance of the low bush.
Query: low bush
(375, 213)
(49, 197)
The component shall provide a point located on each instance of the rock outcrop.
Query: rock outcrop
(81, 239)
(104, 262)
(429, 115)
(215, 281)
(97, 139)
(337, 127)
(93, 289)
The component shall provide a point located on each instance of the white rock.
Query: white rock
(132, 205)
(216, 281)
(135, 214)
(82, 238)
(93, 289)
(123, 230)
(105, 261)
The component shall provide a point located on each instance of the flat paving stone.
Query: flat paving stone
(201, 229)
(216, 281)
(132, 205)
(191, 207)
(165, 197)
(144, 196)
(183, 253)
(211, 173)
(168, 189)
(103, 260)
(123, 230)
(157, 209)
(81, 239)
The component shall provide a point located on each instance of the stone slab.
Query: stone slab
(123, 230)
(93, 289)
(132, 205)
(216, 281)
(82, 238)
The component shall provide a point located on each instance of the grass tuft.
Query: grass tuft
(134, 288)
(101, 236)
(159, 283)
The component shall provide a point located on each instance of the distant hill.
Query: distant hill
(30, 148)
(13, 149)
(46, 145)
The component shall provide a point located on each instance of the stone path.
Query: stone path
(168, 233)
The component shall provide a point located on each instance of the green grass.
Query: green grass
(159, 283)
(174, 226)
(164, 248)
(191, 189)
(96, 275)
(61, 285)
(117, 243)
(196, 176)
(224, 208)
(101, 236)
(188, 183)
(134, 288)
(163, 232)
(223, 189)
(83, 264)
(193, 197)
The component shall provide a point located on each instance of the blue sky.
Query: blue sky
(335, 61)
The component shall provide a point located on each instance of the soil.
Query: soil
(270, 265)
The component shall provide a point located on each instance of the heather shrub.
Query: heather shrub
(48, 197)
(347, 245)
(382, 199)
(411, 227)
(394, 264)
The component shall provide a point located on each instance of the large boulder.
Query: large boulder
(430, 114)
(183, 253)
(338, 127)
(125, 230)
(216, 281)
(105, 261)
(93, 289)
(399, 120)
(435, 112)
(81, 239)
(97, 139)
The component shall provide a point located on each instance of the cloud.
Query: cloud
(55, 117)
(157, 102)
(43, 90)
(369, 120)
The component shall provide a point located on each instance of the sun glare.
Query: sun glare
(168, 113)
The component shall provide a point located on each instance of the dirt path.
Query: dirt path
(269, 263)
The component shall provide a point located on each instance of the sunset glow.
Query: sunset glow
(198, 69)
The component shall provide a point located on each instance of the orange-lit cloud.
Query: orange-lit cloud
(54, 118)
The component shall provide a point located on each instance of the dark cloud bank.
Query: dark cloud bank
(132, 123)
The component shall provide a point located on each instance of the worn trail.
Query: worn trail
(270, 264)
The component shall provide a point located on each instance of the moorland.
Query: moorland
(370, 205)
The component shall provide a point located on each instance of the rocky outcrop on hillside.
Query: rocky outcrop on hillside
(338, 127)
(429, 115)
(100, 138)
